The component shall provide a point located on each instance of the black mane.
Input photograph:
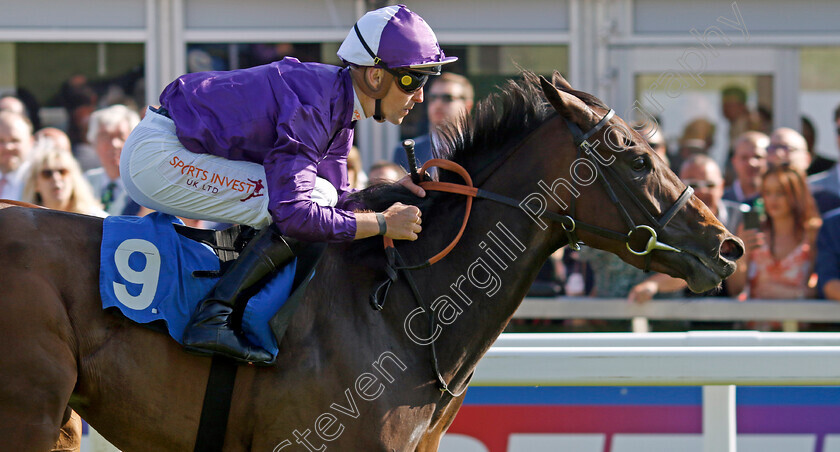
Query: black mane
(498, 121)
(503, 118)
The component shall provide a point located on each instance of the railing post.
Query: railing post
(641, 325)
(719, 420)
(790, 326)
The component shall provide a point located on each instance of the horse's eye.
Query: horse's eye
(639, 164)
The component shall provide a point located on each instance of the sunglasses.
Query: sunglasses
(408, 81)
(48, 173)
(780, 147)
(446, 98)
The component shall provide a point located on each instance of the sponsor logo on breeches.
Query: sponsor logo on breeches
(212, 182)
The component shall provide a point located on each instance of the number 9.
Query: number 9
(147, 277)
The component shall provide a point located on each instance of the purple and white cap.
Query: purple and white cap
(398, 37)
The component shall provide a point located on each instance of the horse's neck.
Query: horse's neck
(475, 289)
(484, 284)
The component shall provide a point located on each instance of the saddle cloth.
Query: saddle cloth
(146, 272)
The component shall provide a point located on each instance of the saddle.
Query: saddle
(155, 271)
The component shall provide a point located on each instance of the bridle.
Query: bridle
(654, 227)
(395, 263)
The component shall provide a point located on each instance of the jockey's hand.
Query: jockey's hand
(409, 184)
(403, 221)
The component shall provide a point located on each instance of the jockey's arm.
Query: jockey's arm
(403, 222)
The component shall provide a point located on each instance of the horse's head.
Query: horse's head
(638, 208)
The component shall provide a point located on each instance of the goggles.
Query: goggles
(408, 81)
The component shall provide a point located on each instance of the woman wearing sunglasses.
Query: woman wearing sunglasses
(267, 147)
(56, 182)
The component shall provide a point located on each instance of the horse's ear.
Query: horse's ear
(560, 81)
(568, 106)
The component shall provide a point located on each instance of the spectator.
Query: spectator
(384, 172)
(828, 257)
(735, 110)
(829, 180)
(108, 129)
(818, 162)
(447, 98)
(788, 147)
(52, 137)
(355, 175)
(11, 103)
(15, 148)
(697, 138)
(56, 182)
(613, 278)
(749, 161)
(779, 257)
(79, 100)
(651, 132)
(704, 175)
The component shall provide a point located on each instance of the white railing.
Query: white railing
(789, 312)
(715, 360)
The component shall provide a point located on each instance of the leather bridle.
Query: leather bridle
(654, 227)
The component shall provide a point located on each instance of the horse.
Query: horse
(350, 377)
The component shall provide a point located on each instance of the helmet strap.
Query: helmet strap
(377, 112)
(359, 75)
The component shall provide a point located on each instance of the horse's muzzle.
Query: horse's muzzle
(731, 249)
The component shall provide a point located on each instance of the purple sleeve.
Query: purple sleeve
(291, 169)
(334, 169)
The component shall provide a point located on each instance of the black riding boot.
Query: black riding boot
(210, 331)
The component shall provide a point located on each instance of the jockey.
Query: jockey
(267, 147)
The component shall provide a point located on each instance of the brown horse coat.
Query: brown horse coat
(347, 377)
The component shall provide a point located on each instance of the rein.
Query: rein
(396, 264)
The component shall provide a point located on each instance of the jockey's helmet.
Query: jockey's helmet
(393, 38)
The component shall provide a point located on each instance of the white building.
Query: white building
(672, 56)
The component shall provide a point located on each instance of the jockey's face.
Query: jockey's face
(397, 103)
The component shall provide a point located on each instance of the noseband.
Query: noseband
(654, 227)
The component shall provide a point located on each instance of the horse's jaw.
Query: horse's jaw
(700, 272)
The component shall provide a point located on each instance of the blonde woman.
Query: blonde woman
(56, 182)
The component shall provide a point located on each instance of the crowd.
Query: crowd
(773, 192)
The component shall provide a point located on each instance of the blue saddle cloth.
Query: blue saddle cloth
(146, 271)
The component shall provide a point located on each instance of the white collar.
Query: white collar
(358, 111)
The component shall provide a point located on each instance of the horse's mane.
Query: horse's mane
(475, 141)
(503, 118)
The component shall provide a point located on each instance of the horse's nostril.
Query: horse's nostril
(731, 249)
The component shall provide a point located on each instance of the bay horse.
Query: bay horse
(349, 377)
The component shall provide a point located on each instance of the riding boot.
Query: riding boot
(211, 330)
